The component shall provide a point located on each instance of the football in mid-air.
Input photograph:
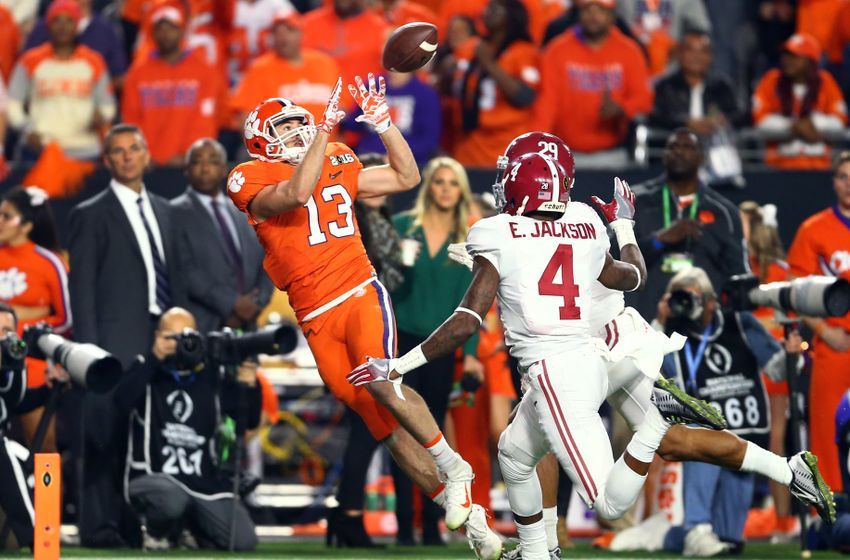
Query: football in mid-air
(410, 47)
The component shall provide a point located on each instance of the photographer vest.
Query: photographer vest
(174, 433)
(720, 368)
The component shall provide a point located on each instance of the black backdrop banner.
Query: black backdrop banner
(797, 195)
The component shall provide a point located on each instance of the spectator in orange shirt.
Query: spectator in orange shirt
(4, 102)
(836, 47)
(287, 70)
(60, 91)
(249, 37)
(660, 24)
(595, 80)
(815, 18)
(33, 280)
(496, 81)
(822, 247)
(208, 24)
(402, 12)
(174, 95)
(10, 43)
(799, 108)
(352, 34)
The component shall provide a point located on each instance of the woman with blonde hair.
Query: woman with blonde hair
(766, 261)
(433, 285)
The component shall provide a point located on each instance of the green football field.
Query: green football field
(314, 551)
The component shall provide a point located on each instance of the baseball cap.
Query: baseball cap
(290, 17)
(171, 14)
(609, 4)
(68, 8)
(803, 44)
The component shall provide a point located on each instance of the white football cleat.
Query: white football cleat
(486, 543)
(702, 542)
(516, 553)
(458, 494)
(808, 486)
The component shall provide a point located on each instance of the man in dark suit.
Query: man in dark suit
(680, 223)
(123, 254)
(125, 274)
(221, 259)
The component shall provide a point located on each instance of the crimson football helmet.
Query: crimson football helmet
(267, 141)
(529, 143)
(535, 183)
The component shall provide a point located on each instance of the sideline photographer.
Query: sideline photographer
(17, 398)
(720, 362)
(174, 477)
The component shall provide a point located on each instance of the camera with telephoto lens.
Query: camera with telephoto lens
(13, 353)
(190, 352)
(88, 365)
(813, 296)
(227, 348)
(685, 305)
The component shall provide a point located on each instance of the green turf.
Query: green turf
(314, 551)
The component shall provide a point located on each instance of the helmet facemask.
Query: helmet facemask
(277, 148)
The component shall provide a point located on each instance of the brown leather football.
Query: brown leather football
(410, 47)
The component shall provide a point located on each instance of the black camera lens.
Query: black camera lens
(683, 304)
(469, 383)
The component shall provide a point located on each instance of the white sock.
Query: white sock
(550, 520)
(648, 436)
(533, 540)
(622, 489)
(443, 455)
(439, 496)
(771, 465)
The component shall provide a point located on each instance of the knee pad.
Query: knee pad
(517, 465)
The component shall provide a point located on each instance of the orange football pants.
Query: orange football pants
(343, 337)
(830, 381)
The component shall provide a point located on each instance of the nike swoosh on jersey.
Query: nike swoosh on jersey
(334, 175)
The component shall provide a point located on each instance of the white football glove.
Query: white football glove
(459, 254)
(373, 102)
(622, 207)
(332, 114)
(376, 370)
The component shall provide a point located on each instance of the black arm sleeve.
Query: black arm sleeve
(131, 389)
(33, 398)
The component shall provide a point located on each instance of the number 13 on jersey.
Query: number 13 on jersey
(561, 261)
(344, 211)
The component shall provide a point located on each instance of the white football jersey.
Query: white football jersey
(546, 270)
(607, 304)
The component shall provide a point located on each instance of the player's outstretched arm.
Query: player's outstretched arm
(463, 323)
(401, 173)
(295, 192)
(620, 213)
(622, 276)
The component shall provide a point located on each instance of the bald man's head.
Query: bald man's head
(173, 322)
(177, 319)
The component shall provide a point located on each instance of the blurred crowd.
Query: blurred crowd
(181, 76)
(589, 71)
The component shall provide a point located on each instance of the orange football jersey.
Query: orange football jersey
(314, 253)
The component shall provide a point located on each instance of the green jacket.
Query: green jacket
(433, 287)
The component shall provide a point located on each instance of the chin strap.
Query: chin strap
(521, 208)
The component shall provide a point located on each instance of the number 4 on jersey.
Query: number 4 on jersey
(562, 260)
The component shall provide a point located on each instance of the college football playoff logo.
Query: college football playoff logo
(181, 405)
